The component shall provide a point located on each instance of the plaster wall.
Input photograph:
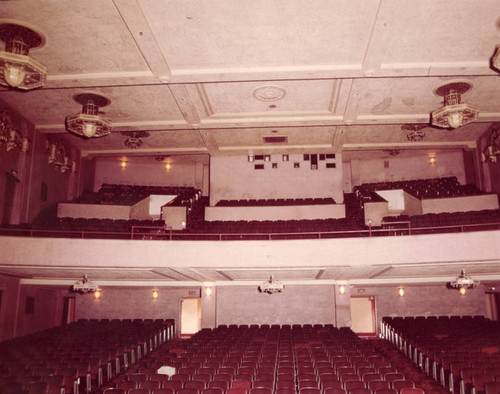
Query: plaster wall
(413, 205)
(375, 212)
(133, 303)
(408, 168)
(235, 178)
(147, 174)
(295, 305)
(431, 300)
(47, 309)
(460, 204)
(294, 212)
(91, 211)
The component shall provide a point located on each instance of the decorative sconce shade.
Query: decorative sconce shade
(89, 123)
(454, 114)
(342, 289)
(11, 136)
(57, 156)
(401, 291)
(155, 294)
(208, 291)
(463, 291)
(17, 69)
(97, 294)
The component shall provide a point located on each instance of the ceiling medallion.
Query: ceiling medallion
(454, 114)
(17, 69)
(89, 123)
(134, 141)
(414, 132)
(269, 93)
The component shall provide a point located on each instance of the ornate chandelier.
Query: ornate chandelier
(271, 286)
(17, 69)
(84, 286)
(454, 114)
(89, 123)
(463, 282)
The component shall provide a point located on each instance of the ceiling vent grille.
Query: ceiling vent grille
(278, 139)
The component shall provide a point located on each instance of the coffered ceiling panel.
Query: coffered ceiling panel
(230, 36)
(437, 270)
(82, 37)
(278, 273)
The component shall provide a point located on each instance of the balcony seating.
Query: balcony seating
(275, 202)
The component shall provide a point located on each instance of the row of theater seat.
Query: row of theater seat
(309, 359)
(115, 194)
(77, 357)
(462, 353)
(444, 219)
(275, 202)
(421, 188)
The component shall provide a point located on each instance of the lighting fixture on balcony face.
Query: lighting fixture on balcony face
(271, 286)
(462, 283)
(454, 114)
(17, 69)
(89, 123)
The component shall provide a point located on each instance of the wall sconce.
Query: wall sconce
(168, 166)
(285, 157)
(432, 159)
(155, 294)
(11, 136)
(401, 291)
(342, 289)
(454, 114)
(462, 290)
(208, 291)
(97, 294)
(89, 123)
(17, 69)
(267, 158)
(123, 164)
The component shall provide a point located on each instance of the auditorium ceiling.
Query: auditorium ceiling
(218, 76)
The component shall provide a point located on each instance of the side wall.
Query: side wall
(408, 168)
(148, 174)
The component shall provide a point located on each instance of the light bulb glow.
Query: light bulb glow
(89, 129)
(342, 289)
(168, 166)
(123, 164)
(401, 291)
(455, 119)
(97, 294)
(463, 291)
(14, 75)
(208, 291)
(155, 294)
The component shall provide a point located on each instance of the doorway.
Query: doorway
(363, 316)
(68, 315)
(8, 205)
(190, 316)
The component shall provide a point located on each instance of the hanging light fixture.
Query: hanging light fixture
(454, 114)
(89, 123)
(271, 286)
(84, 286)
(495, 60)
(463, 282)
(414, 132)
(134, 140)
(17, 69)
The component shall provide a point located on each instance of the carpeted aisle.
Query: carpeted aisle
(410, 370)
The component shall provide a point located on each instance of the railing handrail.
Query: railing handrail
(166, 233)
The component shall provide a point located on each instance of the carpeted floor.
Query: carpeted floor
(410, 370)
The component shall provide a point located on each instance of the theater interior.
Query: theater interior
(285, 175)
